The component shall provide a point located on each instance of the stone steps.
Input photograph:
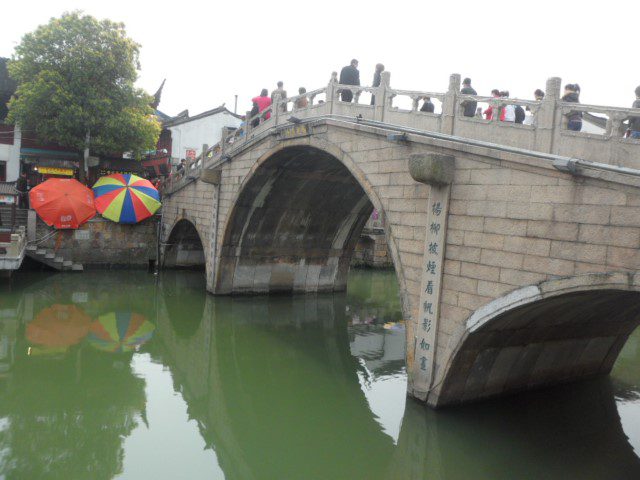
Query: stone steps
(51, 259)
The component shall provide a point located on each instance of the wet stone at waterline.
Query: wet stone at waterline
(105, 375)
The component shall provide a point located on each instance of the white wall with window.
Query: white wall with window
(192, 133)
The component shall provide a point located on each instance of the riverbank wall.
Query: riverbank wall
(103, 244)
(372, 251)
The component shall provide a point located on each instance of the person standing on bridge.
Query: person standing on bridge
(349, 75)
(509, 111)
(488, 113)
(427, 105)
(263, 102)
(302, 101)
(283, 96)
(634, 122)
(468, 106)
(377, 80)
(574, 117)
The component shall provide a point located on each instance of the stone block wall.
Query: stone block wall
(101, 243)
(512, 226)
(372, 251)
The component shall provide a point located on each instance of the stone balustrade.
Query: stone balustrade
(546, 132)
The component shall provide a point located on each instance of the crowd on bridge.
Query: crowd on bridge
(508, 112)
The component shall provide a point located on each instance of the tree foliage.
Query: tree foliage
(76, 76)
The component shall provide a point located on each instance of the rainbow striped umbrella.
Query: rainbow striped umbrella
(125, 198)
(120, 332)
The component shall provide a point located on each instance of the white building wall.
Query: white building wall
(11, 155)
(193, 134)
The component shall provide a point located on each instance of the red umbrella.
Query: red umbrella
(63, 202)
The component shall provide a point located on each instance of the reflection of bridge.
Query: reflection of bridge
(263, 418)
(231, 368)
(516, 259)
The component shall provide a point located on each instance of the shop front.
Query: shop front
(40, 165)
(111, 165)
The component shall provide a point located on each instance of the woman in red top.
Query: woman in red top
(263, 102)
(488, 113)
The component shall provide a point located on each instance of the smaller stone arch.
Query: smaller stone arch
(554, 332)
(184, 247)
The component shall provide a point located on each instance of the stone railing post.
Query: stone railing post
(275, 108)
(381, 96)
(546, 118)
(331, 91)
(205, 147)
(223, 138)
(449, 105)
(31, 225)
(247, 125)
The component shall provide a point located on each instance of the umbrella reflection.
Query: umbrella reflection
(120, 332)
(58, 327)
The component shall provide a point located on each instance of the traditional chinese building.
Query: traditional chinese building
(188, 134)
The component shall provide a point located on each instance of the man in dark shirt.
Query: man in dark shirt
(349, 75)
(634, 122)
(427, 105)
(469, 106)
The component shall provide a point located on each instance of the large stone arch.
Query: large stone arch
(184, 246)
(252, 193)
(556, 331)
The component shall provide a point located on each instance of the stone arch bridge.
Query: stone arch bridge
(517, 260)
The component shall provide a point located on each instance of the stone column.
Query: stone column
(546, 117)
(449, 105)
(331, 92)
(275, 108)
(205, 147)
(382, 97)
(247, 124)
(31, 225)
(424, 361)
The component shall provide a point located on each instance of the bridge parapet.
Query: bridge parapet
(546, 132)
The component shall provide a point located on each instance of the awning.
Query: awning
(32, 155)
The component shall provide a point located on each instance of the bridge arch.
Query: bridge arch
(295, 220)
(184, 247)
(556, 331)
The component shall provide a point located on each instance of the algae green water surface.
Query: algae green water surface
(184, 385)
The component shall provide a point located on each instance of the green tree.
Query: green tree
(75, 80)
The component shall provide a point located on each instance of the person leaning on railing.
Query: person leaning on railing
(349, 75)
(263, 101)
(574, 117)
(468, 106)
(302, 101)
(427, 105)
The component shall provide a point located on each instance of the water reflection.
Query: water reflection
(65, 406)
(270, 387)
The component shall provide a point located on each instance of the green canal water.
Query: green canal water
(133, 376)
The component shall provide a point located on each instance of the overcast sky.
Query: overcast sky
(208, 52)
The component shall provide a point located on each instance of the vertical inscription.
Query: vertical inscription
(425, 339)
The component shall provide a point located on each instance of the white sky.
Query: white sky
(209, 51)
